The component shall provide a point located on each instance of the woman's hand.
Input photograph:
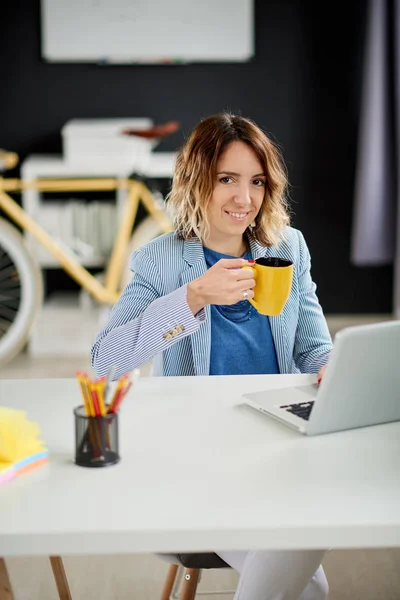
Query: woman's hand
(321, 374)
(224, 283)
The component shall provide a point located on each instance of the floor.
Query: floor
(352, 574)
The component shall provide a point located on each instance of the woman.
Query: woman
(187, 307)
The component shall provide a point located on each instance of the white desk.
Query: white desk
(199, 472)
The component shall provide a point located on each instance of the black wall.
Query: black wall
(302, 87)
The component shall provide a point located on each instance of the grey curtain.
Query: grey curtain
(376, 222)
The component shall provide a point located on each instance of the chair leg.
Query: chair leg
(169, 582)
(189, 586)
(60, 578)
(6, 592)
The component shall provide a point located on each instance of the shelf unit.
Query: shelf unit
(47, 213)
(158, 165)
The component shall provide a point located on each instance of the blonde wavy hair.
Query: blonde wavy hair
(195, 173)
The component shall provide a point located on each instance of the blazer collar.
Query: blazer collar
(256, 249)
(193, 251)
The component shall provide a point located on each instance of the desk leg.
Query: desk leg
(60, 578)
(5, 585)
(169, 582)
(189, 586)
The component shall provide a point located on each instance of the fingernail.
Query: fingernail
(251, 262)
(319, 380)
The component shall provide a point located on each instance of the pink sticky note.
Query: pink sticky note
(7, 474)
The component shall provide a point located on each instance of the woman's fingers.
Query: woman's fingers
(227, 282)
(244, 274)
(232, 263)
(245, 289)
(321, 374)
(245, 295)
(247, 284)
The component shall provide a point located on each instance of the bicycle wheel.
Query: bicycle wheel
(146, 231)
(21, 291)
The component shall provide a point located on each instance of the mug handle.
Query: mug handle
(251, 300)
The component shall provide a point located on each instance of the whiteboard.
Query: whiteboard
(149, 31)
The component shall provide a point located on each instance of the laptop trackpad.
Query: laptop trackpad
(310, 390)
(288, 395)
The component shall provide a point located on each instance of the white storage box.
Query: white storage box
(101, 141)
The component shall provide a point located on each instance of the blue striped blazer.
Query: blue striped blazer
(152, 320)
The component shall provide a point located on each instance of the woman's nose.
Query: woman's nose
(243, 197)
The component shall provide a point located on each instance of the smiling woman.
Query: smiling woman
(187, 306)
(229, 209)
(236, 199)
(229, 151)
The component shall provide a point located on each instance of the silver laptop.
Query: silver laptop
(361, 385)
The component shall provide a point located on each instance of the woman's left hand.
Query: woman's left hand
(321, 374)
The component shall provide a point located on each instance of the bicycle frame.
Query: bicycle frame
(137, 191)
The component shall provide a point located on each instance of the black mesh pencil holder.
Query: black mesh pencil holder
(96, 439)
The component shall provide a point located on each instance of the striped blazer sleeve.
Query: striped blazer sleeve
(313, 342)
(140, 322)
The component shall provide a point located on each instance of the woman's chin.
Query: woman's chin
(238, 228)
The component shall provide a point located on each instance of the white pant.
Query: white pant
(279, 575)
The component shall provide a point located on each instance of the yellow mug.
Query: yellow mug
(273, 284)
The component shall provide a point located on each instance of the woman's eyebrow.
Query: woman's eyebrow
(238, 174)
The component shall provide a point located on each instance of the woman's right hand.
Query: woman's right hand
(223, 284)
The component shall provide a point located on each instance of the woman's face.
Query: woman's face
(238, 192)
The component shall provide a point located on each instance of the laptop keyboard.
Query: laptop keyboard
(301, 409)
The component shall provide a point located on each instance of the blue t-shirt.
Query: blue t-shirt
(241, 338)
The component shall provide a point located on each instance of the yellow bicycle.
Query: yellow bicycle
(21, 287)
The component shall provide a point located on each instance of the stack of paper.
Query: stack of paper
(20, 447)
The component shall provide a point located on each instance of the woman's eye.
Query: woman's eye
(226, 179)
(259, 182)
